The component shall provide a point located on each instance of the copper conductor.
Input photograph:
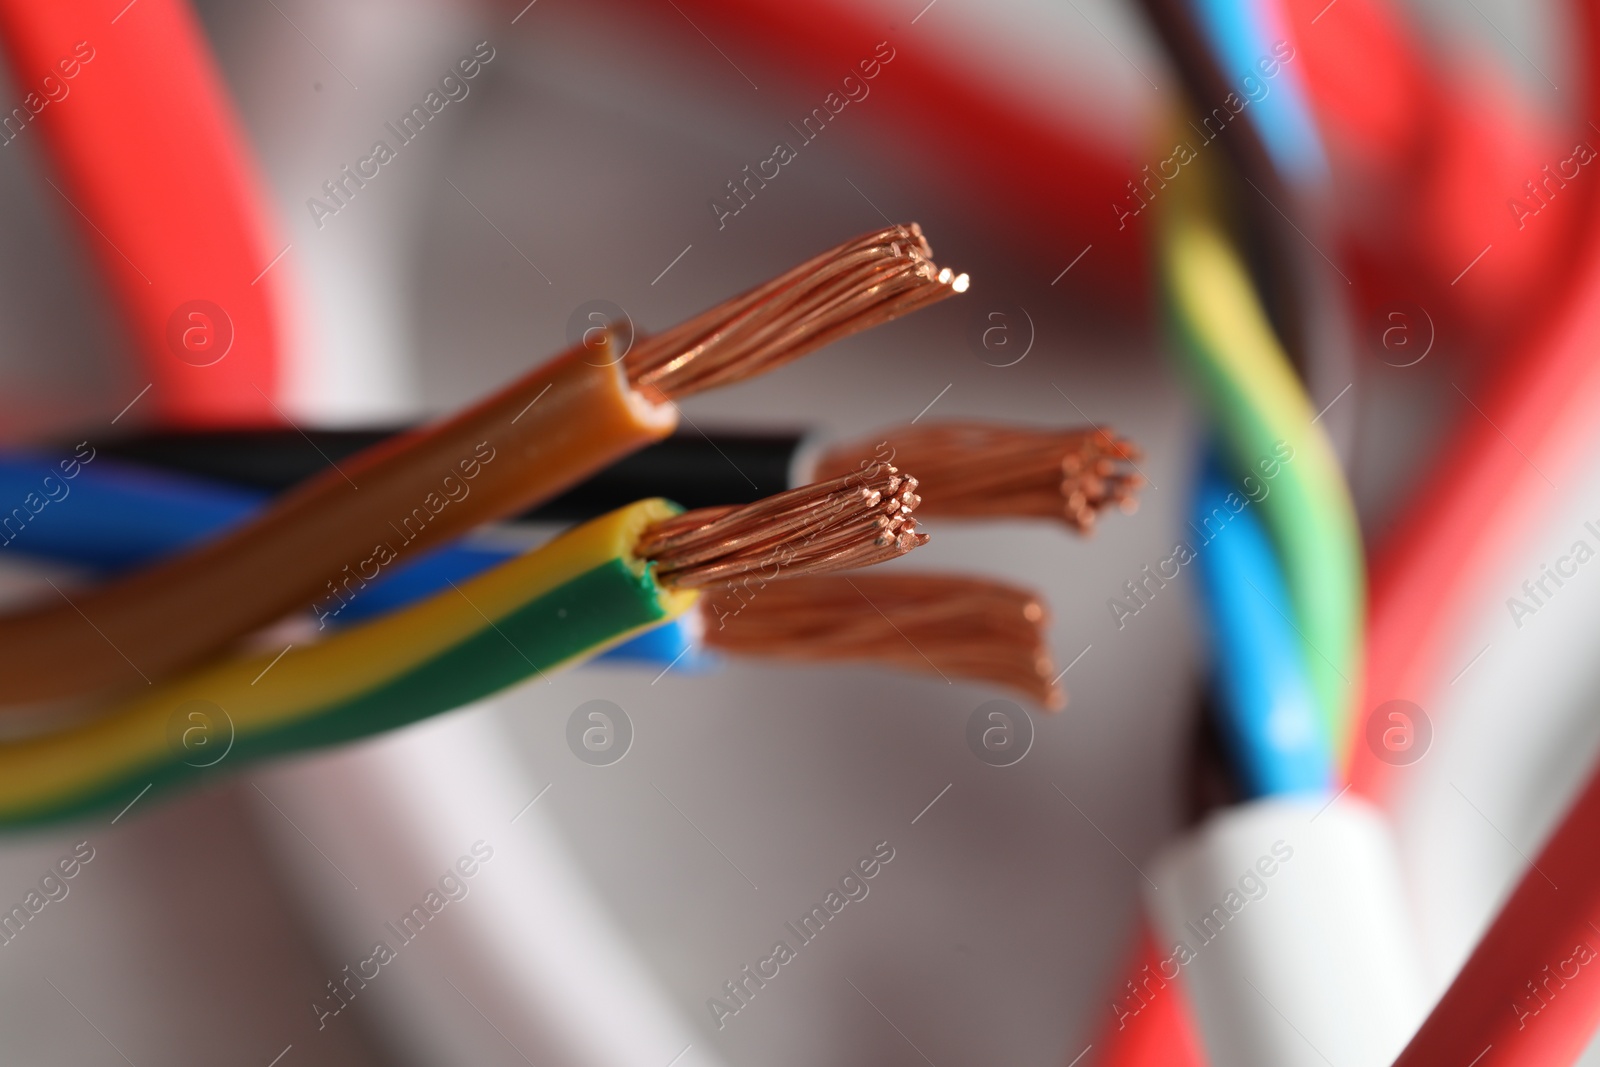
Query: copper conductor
(858, 285)
(981, 470)
(953, 627)
(854, 521)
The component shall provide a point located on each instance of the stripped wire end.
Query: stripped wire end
(860, 284)
(949, 626)
(854, 521)
(979, 470)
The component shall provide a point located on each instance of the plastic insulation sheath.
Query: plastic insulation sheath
(1535, 421)
(545, 609)
(1516, 438)
(1242, 34)
(153, 166)
(111, 517)
(694, 469)
(1266, 708)
(542, 434)
(1259, 408)
(1529, 994)
(1152, 1023)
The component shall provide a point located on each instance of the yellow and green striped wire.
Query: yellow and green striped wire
(553, 606)
(1243, 375)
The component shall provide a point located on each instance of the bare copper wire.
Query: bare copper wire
(860, 284)
(853, 521)
(945, 625)
(983, 470)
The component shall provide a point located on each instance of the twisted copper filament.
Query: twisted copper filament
(841, 524)
(945, 625)
(980, 470)
(860, 284)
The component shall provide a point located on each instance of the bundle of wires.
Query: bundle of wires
(588, 589)
(534, 438)
(1486, 499)
(1282, 596)
(971, 628)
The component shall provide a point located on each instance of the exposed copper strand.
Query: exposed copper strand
(955, 626)
(852, 521)
(860, 284)
(982, 470)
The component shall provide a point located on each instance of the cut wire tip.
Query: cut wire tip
(841, 524)
(860, 284)
(945, 625)
(984, 470)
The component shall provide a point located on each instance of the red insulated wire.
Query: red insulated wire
(1428, 162)
(148, 158)
(1433, 167)
(1521, 432)
(1014, 168)
(1151, 1023)
(1479, 504)
(1547, 404)
(1528, 994)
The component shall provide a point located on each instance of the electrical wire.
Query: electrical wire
(695, 469)
(1497, 481)
(122, 516)
(982, 470)
(979, 470)
(1266, 707)
(1265, 422)
(1246, 37)
(967, 130)
(153, 164)
(529, 616)
(951, 626)
(548, 430)
(1262, 657)
(586, 590)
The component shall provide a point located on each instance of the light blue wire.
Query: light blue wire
(1237, 32)
(111, 517)
(1264, 697)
